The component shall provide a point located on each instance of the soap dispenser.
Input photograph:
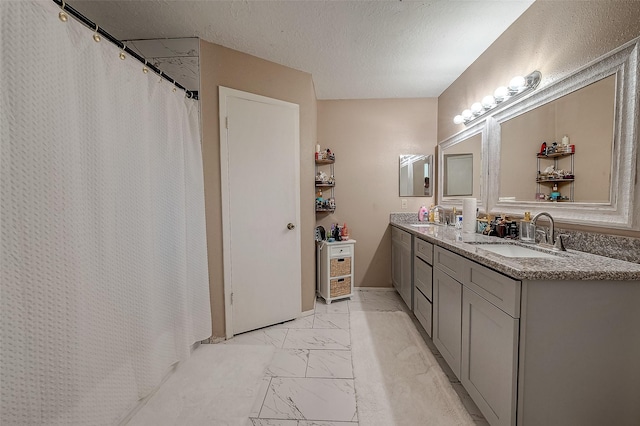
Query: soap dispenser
(527, 229)
(423, 210)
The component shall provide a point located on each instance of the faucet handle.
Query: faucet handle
(559, 244)
(545, 238)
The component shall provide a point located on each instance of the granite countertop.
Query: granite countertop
(569, 265)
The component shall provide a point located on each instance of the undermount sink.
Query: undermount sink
(511, 250)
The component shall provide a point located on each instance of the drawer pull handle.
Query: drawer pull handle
(340, 280)
(341, 260)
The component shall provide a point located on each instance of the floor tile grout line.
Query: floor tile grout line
(264, 398)
(353, 367)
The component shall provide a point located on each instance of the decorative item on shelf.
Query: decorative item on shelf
(321, 177)
(325, 155)
(518, 86)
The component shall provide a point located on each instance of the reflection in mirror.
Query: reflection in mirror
(458, 172)
(596, 108)
(585, 120)
(416, 175)
(460, 162)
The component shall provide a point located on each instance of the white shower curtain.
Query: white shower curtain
(103, 265)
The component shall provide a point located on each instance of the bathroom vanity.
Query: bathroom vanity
(535, 337)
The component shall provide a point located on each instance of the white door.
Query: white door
(260, 173)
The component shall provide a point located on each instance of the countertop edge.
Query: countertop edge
(582, 267)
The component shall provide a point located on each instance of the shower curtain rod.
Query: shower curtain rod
(94, 27)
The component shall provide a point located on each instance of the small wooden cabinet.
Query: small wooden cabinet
(335, 262)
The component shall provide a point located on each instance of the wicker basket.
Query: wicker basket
(340, 287)
(340, 266)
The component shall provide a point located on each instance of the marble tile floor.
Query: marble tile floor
(304, 373)
(310, 379)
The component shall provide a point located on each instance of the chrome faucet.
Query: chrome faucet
(440, 213)
(551, 238)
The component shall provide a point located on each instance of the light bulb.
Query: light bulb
(477, 109)
(501, 94)
(517, 84)
(467, 114)
(488, 102)
(458, 119)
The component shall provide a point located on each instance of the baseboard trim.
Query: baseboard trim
(376, 288)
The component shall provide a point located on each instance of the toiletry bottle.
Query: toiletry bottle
(527, 229)
(423, 210)
(345, 232)
(431, 214)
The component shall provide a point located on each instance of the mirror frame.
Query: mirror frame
(478, 128)
(620, 212)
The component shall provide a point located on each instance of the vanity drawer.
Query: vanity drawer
(502, 291)
(423, 311)
(339, 251)
(423, 279)
(448, 262)
(403, 237)
(424, 250)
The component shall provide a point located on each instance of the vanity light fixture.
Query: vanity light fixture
(518, 86)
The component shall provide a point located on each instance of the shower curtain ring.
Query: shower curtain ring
(174, 87)
(122, 55)
(96, 36)
(63, 15)
(144, 68)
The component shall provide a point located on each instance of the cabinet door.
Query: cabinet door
(489, 358)
(406, 266)
(396, 266)
(447, 318)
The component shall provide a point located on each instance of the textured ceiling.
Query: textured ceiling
(353, 49)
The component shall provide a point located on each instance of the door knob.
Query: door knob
(290, 226)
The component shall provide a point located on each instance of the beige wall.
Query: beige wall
(220, 66)
(368, 137)
(554, 37)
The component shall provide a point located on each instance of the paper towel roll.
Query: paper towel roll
(469, 206)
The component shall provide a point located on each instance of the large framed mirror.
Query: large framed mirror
(462, 167)
(589, 179)
(416, 175)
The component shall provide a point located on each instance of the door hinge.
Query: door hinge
(226, 122)
(232, 298)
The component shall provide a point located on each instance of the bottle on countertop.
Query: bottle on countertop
(422, 212)
(527, 229)
(432, 214)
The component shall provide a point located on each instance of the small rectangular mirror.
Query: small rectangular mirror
(416, 175)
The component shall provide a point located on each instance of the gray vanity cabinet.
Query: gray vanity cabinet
(447, 306)
(476, 329)
(489, 358)
(447, 318)
(423, 283)
(490, 337)
(402, 263)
